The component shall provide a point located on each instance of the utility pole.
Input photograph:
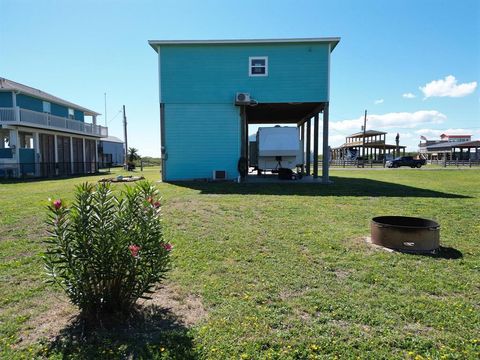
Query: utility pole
(364, 131)
(125, 135)
(105, 94)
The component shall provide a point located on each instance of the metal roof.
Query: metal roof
(330, 40)
(9, 85)
(113, 139)
(467, 144)
(451, 144)
(367, 133)
(454, 135)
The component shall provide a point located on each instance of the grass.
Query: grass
(281, 269)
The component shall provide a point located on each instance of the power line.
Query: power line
(118, 113)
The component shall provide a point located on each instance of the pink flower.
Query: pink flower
(150, 199)
(156, 204)
(57, 204)
(134, 249)
(167, 246)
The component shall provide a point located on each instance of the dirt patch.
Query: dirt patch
(341, 273)
(189, 309)
(49, 322)
(418, 329)
(186, 309)
(365, 242)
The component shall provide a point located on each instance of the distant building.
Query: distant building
(111, 152)
(43, 135)
(450, 147)
(374, 147)
(455, 138)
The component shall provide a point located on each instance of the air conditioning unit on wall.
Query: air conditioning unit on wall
(219, 175)
(242, 99)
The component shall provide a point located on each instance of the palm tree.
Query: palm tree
(133, 154)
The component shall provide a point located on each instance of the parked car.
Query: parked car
(405, 161)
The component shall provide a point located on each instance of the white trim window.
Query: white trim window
(47, 108)
(258, 66)
(71, 113)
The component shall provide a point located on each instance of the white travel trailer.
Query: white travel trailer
(276, 148)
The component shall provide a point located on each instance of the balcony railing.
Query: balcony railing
(28, 117)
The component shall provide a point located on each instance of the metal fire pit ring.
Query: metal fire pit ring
(403, 233)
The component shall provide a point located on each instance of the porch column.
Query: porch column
(36, 151)
(96, 155)
(308, 149)
(71, 155)
(302, 138)
(315, 146)
(55, 144)
(325, 164)
(83, 156)
(243, 140)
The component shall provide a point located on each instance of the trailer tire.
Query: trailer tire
(242, 166)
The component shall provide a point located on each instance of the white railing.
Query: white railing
(50, 121)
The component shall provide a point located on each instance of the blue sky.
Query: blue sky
(78, 50)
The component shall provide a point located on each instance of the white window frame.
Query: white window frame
(47, 107)
(71, 113)
(257, 58)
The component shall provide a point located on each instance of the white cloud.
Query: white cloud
(408, 96)
(379, 101)
(448, 87)
(391, 120)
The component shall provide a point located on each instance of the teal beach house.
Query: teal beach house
(211, 91)
(42, 135)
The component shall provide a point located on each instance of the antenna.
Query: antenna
(125, 134)
(105, 95)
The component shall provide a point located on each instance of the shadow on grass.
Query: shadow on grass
(448, 253)
(152, 333)
(56, 178)
(341, 187)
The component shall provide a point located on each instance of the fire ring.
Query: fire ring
(403, 233)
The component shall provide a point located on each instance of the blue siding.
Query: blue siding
(59, 110)
(6, 99)
(214, 73)
(30, 103)
(200, 139)
(79, 115)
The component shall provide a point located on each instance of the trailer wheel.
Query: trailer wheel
(242, 166)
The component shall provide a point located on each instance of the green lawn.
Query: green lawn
(282, 271)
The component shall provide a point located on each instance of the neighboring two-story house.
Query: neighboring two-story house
(212, 90)
(43, 135)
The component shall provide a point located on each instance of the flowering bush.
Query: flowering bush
(105, 251)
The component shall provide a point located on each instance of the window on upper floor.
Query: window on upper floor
(46, 107)
(71, 113)
(258, 66)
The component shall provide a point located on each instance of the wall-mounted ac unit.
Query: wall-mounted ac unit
(219, 175)
(242, 99)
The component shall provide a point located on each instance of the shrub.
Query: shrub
(105, 251)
